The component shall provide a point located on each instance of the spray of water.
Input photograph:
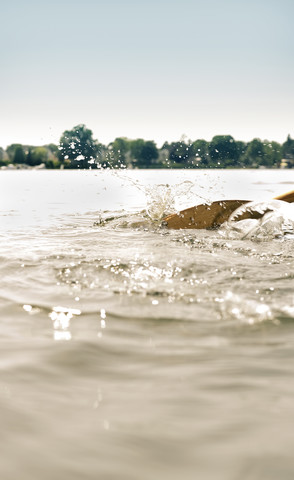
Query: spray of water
(161, 199)
(260, 221)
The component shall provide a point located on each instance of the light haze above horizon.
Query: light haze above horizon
(156, 70)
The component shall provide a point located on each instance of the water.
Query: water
(133, 352)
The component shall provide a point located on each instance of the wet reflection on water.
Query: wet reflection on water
(61, 318)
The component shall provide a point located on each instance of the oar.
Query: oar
(212, 215)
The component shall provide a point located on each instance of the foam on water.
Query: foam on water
(274, 219)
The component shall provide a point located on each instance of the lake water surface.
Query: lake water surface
(133, 352)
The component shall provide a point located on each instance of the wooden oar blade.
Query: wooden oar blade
(212, 215)
(286, 197)
(203, 216)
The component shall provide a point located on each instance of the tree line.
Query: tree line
(78, 149)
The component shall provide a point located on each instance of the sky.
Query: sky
(152, 69)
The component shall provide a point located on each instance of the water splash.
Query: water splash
(260, 221)
(161, 199)
(164, 198)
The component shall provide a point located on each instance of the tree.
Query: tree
(117, 151)
(149, 153)
(10, 150)
(288, 147)
(272, 154)
(38, 155)
(179, 152)
(135, 149)
(3, 160)
(19, 155)
(241, 149)
(254, 153)
(143, 152)
(223, 151)
(29, 157)
(200, 153)
(52, 148)
(78, 148)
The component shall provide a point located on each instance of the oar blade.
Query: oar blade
(203, 216)
(286, 197)
(212, 215)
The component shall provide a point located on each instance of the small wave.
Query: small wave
(246, 311)
(115, 220)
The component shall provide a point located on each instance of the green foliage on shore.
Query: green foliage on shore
(78, 149)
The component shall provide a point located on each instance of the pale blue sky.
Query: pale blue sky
(154, 69)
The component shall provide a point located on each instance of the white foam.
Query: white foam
(276, 218)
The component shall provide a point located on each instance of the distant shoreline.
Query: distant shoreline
(77, 149)
(23, 167)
